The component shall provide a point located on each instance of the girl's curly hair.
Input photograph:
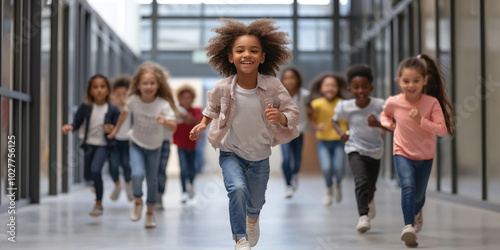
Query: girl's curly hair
(315, 85)
(273, 44)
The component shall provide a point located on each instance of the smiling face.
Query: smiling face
(247, 54)
(361, 89)
(148, 86)
(290, 81)
(329, 88)
(99, 90)
(412, 83)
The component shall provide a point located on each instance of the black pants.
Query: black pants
(365, 170)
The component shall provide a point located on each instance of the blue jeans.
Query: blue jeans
(162, 168)
(186, 160)
(145, 162)
(246, 184)
(413, 177)
(120, 156)
(94, 159)
(332, 160)
(292, 156)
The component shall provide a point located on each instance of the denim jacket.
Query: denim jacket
(221, 107)
(83, 114)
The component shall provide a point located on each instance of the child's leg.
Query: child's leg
(124, 150)
(191, 171)
(162, 175)
(137, 163)
(183, 162)
(325, 162)
(233, 170)
(89, 152)
(373, 169)
(285, 165)
(256, 178)
(296, 146)
(338, 160)
(406, 174)
(361, 180)
(114, 163)
(422, 173)
(152, 161)
(100, 156)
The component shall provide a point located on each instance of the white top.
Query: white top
(95, 134)
(300, 100)
(146, 132)
(248, 136)
(122, 134)
(363, 139)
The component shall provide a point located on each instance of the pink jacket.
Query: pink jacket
(221, 107)
(412, 140)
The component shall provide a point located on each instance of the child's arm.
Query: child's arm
(169, 124)
(119, 123)
(373, 122)
(198, 129)
(273, 115)
(435, 125)
(77, 121)
(386, 116)
(312, 119)
(344, 136)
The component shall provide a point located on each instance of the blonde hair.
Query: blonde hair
(161, 75)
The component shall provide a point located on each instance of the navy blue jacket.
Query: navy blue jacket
(83, 114)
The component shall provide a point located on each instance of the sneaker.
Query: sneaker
(419, 221)
(190, 190)
(130, 192)
(295, 181)
(150, 221)
(116, 193)
(289, 192)
(159, 202)
(328, 199)
(253, 232)
(409, 236)
(338, 194)
(184, 197)
(242, 244)
(371, 211)
(96, 211)
(363, 224)
(135, 215)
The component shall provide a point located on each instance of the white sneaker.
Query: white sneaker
(338, 194)
(130, 192)
(295, 181)
(328, 199)
(116, 193)
(419, 221)
(159, 202)
(135, 215)
(253, 232)
(409, 236)
(190, 190)
(184, 197)
(289, 192)
(242, 245)
(363, 224)
(96, 211)
(371, 211)
(150, 221)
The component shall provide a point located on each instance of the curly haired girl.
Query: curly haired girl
(252, 111)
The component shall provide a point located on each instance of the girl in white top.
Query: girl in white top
(153, 109)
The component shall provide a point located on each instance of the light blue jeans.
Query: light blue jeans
(413, 177)
(246, 184)
(145, 162)
(332, 160)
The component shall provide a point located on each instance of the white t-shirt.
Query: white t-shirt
(122, 134)
(95, 134)
(363, 139)
(146, 132)
(248, 136)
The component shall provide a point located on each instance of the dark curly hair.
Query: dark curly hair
(315, 85)
(273, 44)
(360, 70)
(122, 81)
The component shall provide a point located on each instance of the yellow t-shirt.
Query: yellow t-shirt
(323, 113)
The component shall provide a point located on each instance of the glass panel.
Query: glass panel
(344, 7)
(179, 34)
(179, 9)
(7, 43)
(146, 34)
(320, 8)
(145, 9)
(257, 10)
(5, 131)
(468, 105)
(315, 34)
(313, 64)
(428, 26)
(492, 9)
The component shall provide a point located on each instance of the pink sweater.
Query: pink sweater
(412, 140)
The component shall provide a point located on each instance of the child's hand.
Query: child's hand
(273, 115)
(344, 136)
(372, 121)
(160, 119)
(196, 131)
(112, 134)
(108, 128)
(66, 128)
(320, 127)
(415, 115)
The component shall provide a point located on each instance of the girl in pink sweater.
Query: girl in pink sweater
(421, 112)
